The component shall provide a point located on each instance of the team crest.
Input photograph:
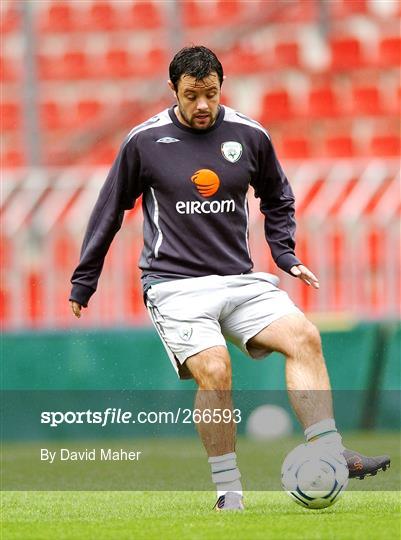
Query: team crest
(231, 151)
(185, 332)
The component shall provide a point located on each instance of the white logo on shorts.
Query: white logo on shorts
(186, 332)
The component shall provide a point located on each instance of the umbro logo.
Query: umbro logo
(167, 140)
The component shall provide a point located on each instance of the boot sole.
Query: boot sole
(372, 473)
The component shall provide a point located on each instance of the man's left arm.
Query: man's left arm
(277, 204)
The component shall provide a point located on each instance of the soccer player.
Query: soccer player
(193, 164)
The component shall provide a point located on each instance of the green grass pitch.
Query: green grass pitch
(179, 515)
(84, 515)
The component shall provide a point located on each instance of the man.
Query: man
(193, 164)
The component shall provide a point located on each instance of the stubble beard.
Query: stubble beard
(191, 122)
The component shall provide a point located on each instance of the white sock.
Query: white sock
(225, 473)
(325, 432)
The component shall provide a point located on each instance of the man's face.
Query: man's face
(198, 101)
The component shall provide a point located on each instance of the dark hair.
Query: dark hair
(196, 61)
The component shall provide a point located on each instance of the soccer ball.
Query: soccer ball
(314, 476)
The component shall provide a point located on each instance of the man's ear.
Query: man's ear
(171, 86)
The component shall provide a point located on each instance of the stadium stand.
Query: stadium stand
(331, 103)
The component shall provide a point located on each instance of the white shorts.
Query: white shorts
(194, 314)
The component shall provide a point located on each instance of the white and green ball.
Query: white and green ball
(313, 476)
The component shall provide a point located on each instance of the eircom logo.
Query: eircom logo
(205, 207)
(207, 183)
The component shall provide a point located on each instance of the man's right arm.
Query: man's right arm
(118, 194)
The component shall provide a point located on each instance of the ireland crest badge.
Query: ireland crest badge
(231, 151)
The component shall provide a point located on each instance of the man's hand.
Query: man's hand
(300, 271)
(76, 308)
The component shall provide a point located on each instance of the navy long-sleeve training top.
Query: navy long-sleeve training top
(194, 185)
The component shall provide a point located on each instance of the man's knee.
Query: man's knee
(211, 370)
(308, 337)
(216, 375)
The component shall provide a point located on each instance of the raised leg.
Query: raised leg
(308, 387)
(307, 379)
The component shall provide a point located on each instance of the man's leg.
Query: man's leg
(211, 369)
(307, 379)
(308, 386)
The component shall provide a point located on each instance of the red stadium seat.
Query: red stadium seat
(10, 19)
(102, 16)
(297, 11)
(390, 51)
(366, 101)
(10, 116)
(144, 15)
(49, 115)
(345, 8)
(222, 12)
(219, 13)
(72, 65)
(88, 110)
(346, 53)
(8, 69)
(240, 59)
(53, 116)
(276, 105)
(227, 11)
(385, 146)
(103, 154)
(342, 146)
(323, 102)
(59, 17)
(196, 14)
(152, 63)
(119, 63)
(295, 148)
(190, 13)
(287, 54)
(157, 59)
(12, 158)
(75, 65)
